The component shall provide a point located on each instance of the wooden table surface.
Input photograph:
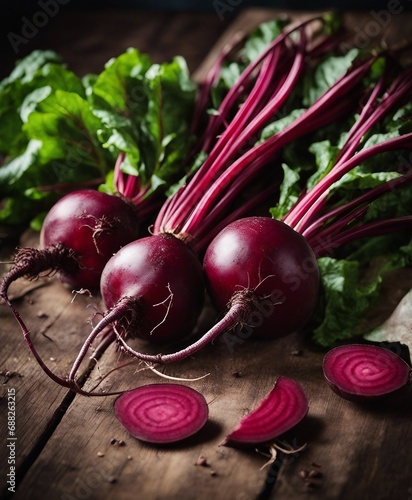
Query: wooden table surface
(63, 446)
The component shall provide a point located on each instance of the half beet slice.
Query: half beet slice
(162, 413)
(364, 372)
(279, 411)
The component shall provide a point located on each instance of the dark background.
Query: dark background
(23, 5)
(77, 18)
(13, 10)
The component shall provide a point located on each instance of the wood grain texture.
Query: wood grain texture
(65, 448)
(57, 325)
(236, 384)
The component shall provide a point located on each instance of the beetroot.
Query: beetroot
(284, 407)
(268, 266)
(364, 372)
(84, 217)
(161, 280)
(79, 235)
(263, 268)
(162, 413)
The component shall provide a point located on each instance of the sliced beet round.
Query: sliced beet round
(364, 372)
(162, 413)
(284, 407)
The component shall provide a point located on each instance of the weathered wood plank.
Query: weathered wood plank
(168, 472)
(357, 451)
(57, 325)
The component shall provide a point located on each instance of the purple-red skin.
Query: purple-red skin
(283, 408)
(162, 413)
(379, 372)
(165, 277)
(93, 224)
(266, 256)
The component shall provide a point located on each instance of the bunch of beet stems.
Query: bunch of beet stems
(217, 121)
(327, 231)
(196, 209)
(134, 191)
(195, 213)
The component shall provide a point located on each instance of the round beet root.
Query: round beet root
(272, 265)
(164, 277)
(94, 226)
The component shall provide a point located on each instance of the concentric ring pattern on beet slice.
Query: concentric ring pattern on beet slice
(162, 413)
(284, 407)
(364, 372)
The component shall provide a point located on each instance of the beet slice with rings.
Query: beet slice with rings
(284, 407)
(162, 413)
(361, 372)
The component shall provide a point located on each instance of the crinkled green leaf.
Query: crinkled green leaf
(12, 172)
(401, 120)
(325, 154)
(289, 192)
(343, 300)
(325, 74)
(67, 127)
(156, 104)
(280, 123)
(396, 203)
(31, 101)
(26, 68)
(121, 84)
(260, 38)
(36, 71)
(351, 286)
(59, 130)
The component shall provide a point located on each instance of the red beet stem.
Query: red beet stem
(284, 407)
(162, 413)
(364, 372)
